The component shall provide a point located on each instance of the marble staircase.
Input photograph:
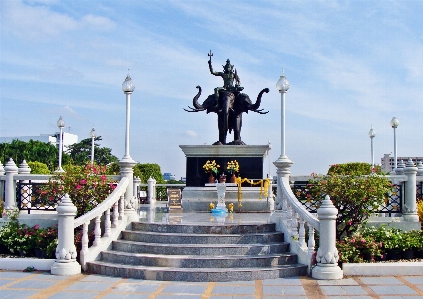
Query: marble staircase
(199, 252)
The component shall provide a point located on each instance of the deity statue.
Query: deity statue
(229, 75)
(228, 102)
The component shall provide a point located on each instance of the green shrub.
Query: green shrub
(354, 168)
(355, 197)
(38, 168)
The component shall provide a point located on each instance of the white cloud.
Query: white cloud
(34, 22)
(98, 22)
(191, 133)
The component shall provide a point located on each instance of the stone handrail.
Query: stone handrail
(106, 204)
(114, 221)
(293, 219)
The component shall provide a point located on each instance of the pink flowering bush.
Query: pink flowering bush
(87, 186)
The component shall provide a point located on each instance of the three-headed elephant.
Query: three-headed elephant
(229, 108)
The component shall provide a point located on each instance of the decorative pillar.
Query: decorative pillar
(151, 191)
(410, 205)
(399, 170)
(327, 254)
(137, 182)
(25, 191)
(1, 182)
(127, 170)
(419, 169)
(10, 185)
(66, 263)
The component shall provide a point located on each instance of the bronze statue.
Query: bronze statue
(228, 102)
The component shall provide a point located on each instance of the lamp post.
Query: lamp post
(372, 135)
(92, 135)
(282, 85)
(283, 164)
(394, 124)
(61, 125)
(128, 87)
(126, 163)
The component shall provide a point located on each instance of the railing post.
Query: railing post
(327, 254)
(126, 170)
(283, 170)
(10, 185)
(25, 169)
(2, 183)
(66, 263)
(151, 191)
(400, 168)
(137, 182)
(410, 204)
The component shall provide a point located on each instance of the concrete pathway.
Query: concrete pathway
(14, 284)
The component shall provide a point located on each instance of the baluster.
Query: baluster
(84, 241)
(294, 224)
(284, 207)
(121, 203)
(107, 223)
(97, 231)
(301, 238)
(311, 242)
(288, 219)
(115, 215)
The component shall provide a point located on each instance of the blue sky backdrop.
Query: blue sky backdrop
(350, 64)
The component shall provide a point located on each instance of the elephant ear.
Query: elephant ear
(210, 104)
(242, 103)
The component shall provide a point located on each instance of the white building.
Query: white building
(387, 162)
(68, 139)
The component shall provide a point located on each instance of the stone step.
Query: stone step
(195, 274)
(204, 228)
(181, 238)
(200, 249)
(191, 261)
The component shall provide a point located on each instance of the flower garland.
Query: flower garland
(264, 185)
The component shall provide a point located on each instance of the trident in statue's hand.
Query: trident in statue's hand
(210, 55)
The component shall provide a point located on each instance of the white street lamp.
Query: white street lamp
(394, 124)
(372, 135)
(61, 125)
(282, 85)
(92, 135)
(128, 87)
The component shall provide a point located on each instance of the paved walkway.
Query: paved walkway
(14, 284)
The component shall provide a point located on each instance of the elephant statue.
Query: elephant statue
(229, 108)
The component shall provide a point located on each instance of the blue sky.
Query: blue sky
(350, 64)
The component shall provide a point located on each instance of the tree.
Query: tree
(147, 170)
(80, 153)
(31, 151)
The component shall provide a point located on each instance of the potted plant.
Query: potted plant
(210, 168)
(232, 168)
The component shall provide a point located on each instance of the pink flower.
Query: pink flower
(78, 187)
(36, 226)
(83, 182)
(350, 222)
(103, 177)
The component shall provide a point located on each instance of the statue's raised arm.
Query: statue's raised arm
(220, 74)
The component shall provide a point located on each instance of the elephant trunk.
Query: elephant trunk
(195, 100)
(226, 105)
(256, 105)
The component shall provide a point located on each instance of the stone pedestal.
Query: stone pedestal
(198, 194)
(249, 157)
